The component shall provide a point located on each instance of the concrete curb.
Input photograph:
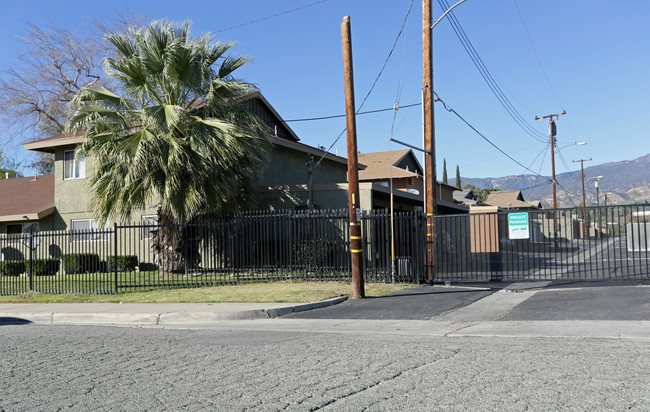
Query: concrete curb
(274, 313)
(156, 319)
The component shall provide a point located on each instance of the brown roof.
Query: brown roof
(26, 198)
(508, 199)
(49, 143)
(380, 165)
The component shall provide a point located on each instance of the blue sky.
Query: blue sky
(590, 58)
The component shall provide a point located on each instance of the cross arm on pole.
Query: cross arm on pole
(412, 147)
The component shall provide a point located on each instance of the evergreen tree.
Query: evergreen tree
(444, 171)
(458, 177)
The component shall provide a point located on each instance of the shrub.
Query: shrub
(12, 267)
(125, 263)
(81, 263)
(315, 253)
(45, 267)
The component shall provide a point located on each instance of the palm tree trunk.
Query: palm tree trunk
(175, 246)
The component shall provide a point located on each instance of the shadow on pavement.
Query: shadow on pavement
(13, 321)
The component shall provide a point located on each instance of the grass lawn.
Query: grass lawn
(283, 291)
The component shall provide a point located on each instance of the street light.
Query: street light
(596, 180)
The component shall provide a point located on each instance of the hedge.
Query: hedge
(12, 267)
(125, 263)
(45, 267)
(81, 263)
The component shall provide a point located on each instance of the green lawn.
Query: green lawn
(283, 291)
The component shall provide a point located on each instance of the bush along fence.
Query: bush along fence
(261, 246)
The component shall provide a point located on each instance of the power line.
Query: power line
(270, 17)
(390, 53)
(541, 164)
(485, 138)
(530, 40)
(342, 115)
(488, 78)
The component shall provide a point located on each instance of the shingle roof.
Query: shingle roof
(26, 196)
(380, 165)
(508, 199)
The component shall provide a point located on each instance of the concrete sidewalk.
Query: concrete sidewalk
(511, 306)
(148, 314)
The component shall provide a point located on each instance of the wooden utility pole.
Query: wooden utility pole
(552, 132)
(429, 136)
(584, 201)
(356, 250)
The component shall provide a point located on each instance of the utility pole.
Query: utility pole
(552, 131)
(356, 250)
(584, 202)
(429, 137)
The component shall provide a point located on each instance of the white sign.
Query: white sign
(518, 227)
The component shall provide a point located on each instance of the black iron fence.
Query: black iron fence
(579, 243)
(255, 247)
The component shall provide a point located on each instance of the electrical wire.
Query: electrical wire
(488, 78)
(539, 60)
(358, 113)
(485, 138)
(390, 53)
(270, 17)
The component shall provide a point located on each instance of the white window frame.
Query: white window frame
(147, 221)
(88, 235)
(78, 165)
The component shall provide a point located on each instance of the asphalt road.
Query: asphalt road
(48, 368)
(411, 304)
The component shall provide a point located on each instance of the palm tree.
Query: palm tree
(170, 133)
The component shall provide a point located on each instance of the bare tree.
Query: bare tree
(56, 64)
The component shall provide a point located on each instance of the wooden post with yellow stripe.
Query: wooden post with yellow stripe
(429, 139)
(356, 249)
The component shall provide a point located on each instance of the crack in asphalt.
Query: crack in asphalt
(453, 353)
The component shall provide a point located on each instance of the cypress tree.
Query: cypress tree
(444, 171)
(458, 177)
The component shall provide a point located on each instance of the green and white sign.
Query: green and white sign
(518, 227)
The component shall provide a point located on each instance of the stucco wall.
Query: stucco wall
(289, 167)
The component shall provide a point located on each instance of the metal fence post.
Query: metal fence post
(31, 258)
(115, 256)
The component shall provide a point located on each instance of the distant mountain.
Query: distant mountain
(624, 182)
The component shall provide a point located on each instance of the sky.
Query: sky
(589, 58)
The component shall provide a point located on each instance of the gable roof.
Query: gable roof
(381, 165)
(465, 196)
(254, 102)
(26, 198)
(508, 199)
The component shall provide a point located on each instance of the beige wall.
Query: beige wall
(72, 197)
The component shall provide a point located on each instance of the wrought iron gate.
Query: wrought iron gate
(594, 243)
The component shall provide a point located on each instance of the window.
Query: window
(84, 230)
(149, 225)
(74, 167)
(14, 230)
(20, 231)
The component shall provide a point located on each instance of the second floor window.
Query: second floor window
(74, 167)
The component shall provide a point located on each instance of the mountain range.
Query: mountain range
(623, 182)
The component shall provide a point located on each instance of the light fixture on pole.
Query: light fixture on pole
(596, 180)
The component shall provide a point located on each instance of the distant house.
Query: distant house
(511, 199)
(465, 197)
(26, 203)
(403, 170)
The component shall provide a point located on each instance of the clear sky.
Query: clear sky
(588, 57)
